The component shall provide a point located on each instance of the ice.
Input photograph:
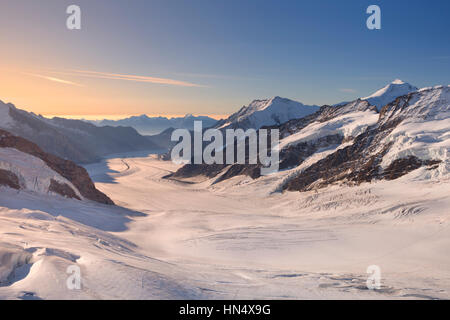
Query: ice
(234, 239)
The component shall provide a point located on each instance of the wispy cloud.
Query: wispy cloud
(127, 77)
(215, 76)
(53, 79)
(347, 90)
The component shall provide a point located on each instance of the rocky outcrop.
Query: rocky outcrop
(291, 156)
(9, 179)
(62, 189)
(400, 167)
(77, 175)
(408, 133)
(362, 161)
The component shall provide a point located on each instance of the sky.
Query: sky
(172, 57)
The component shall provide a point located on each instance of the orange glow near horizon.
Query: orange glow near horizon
(90, 94)
(123, 116)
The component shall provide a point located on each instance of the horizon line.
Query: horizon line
(93, 117)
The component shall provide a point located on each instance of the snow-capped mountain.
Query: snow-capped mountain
(389, 93)
(411, 133)
(337, 147)
(301, 137)
(355, 143)
(76, 140)
(146, 125)
(24, 166)
(266, 112)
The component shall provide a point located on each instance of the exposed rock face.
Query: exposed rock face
(402, 166)
(9, 179)
(193, 170)
(77, 175)
(362, 161)
(293, 156)
(408, 133)
(62, 189)
(290, 156)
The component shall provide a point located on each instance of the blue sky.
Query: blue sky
(316, 52)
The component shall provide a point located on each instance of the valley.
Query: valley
(233, 240)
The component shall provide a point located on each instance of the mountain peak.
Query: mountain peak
(398, 81)
(278, 98)
(389, 93)
(263, 112)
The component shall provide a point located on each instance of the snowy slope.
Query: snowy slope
(300, 138)
(233, 240)
(348, 125)
(229, 240)
(425, 128)
(267, 112)
(410, 134)
(33, 173)
(25, 167)
(357, 143)
(389, 93)
(417, 125)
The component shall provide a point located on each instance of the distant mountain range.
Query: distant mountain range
(76, 140)
(146, 125)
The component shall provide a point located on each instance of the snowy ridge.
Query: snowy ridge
(389, 93)
(25, 166)
(357, 144)
(411, 134)
(348, 123)
(425, 129)
(267, 112)
(33, 173)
